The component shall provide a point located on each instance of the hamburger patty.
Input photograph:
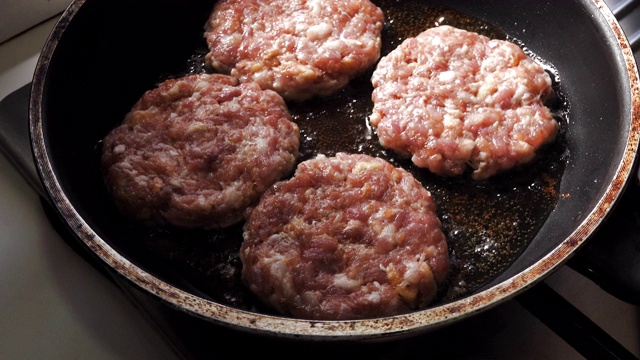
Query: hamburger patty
(299, 48)
(347, 237)
(450, 99)
(197, 151)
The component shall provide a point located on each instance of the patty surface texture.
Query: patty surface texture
(347, 237)
(299, 48)
(198, 151)
(449, 99)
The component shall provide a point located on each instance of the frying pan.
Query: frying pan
(102, 56)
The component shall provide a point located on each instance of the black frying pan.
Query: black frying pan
(103, 55)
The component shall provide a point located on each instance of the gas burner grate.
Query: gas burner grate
(629, 18)
(624, 8)
(553, 310)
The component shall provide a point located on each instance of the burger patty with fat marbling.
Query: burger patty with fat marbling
(452, 99)
(299, 48)
(198, 151)
(346, 237)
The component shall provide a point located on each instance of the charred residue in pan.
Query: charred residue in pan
(488, 224)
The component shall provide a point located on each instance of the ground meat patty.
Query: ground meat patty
(299, 48)
(451, 98)
(347, 237)
(197, 151)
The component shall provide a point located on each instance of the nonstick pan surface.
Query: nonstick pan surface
(505, 234)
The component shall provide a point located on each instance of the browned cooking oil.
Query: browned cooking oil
(487, 224)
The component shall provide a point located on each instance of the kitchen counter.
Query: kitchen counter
(54, 305)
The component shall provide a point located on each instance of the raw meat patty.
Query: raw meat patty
(197, 151)
(347, 237)
(299, 48)
(451, 98)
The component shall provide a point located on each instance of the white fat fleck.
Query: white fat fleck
(310, 298)
(413, 270)
(520, 92)
(485, 90)
(175, 89)
(316, 7)
(278, 269)
(196, 126)
(232, 193)
(447, 76)
(290, 23)
(334, 45)
(343, 282)
(319, 32)
(451, 122)
(350, 42)
(466, 97)
(467, 146)
(489, 64)
(463, 50)
(274, 258)
(374, 297)
(304, 72)
(338, 217)
(300, 27)
(261, 143)
(366, 166)
(142, 179)
(388, 233)
(119, 149)
(262, 76)
(522, 147)
(482, 156)
(201, 85)
(376, 219)
(352, 224)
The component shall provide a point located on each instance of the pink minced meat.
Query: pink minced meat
(299, 48)
(347, 237)
(450, 98)
(197, 151)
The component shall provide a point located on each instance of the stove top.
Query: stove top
(568, 316)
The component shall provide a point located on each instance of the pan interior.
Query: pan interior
(111, 53)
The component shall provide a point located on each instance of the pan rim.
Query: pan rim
(378, 328)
